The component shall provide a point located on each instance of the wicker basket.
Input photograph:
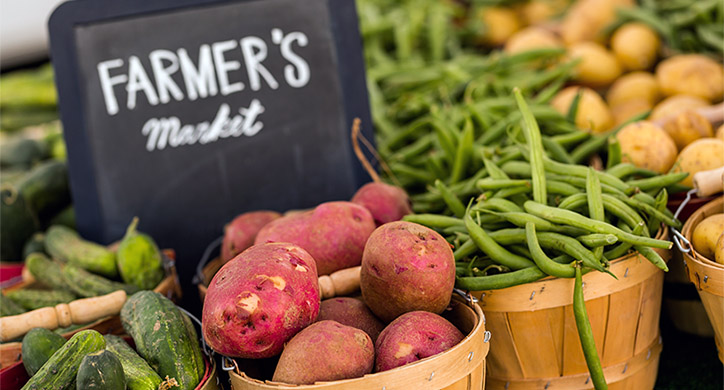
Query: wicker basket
(170, 287)
(536, 343)
(707, 276)
(461, 367)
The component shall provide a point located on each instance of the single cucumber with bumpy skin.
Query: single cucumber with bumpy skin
(8, 307)
(100, 370)
(46, 271)
(87, 284)
(163, 338)
(139, 375)
(38, 346)
(32, 299)
(66, 245)
(36, 243)
(59, 372)
(139, 259)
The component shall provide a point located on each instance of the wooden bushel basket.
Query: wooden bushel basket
(10, 353)
(535, 342)
(707, 276)
(462, 367)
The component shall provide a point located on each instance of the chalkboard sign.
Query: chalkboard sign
(188, 112)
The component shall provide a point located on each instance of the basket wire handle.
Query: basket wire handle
(208, 252)
(681, 242)
(207, 351)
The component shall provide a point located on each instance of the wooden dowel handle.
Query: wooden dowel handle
(709, 182)
(80, 311)
(342, 282)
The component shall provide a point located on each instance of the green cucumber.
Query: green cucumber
(66, 245)
(163, 338)
(32, 299)
(45, 189)
(100, 370)
(59, 372)
(139, 375)
(139, 259)
(46, 271)
(65, 217)
(8, 307)
(22, 153)
(38, 346)
(87, 284)
(36, 243)
(18, 223)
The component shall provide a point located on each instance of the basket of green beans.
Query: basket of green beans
(539, 240)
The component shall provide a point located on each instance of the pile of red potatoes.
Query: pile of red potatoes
(265, 301)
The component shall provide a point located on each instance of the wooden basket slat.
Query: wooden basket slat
(573, 360)
(506, 360)
(535, 330)
(621, 327)
(650, 311)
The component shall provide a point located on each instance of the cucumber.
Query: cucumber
(139, 375)
(65, 217)
(46, 271)
(163, 338)
(18, 224)
(38, 346)
(32, 299)
(66, 245)
(8, 307)
(36, 243)
(22, 153)
(139, 259)
(59, 372)
(87, 284)
(45, 189)
(100, 370)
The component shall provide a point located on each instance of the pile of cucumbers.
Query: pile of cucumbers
(167, 352)
(76, 268)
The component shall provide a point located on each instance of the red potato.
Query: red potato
(334, 233)
(325, 351)
(414, 336)
(240, 233)
(259, 300)
(351, 312)
(385, 202)
(406, 267)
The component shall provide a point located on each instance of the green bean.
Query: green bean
(418, 147)
(419, 174)
(622, 211)
(433, 220)
(499, 204)
(582, 171)
(614, 153)
(520, 219)
(494, 184)
(541, 259)
(585, 333)
(556, 151)
(464, 152)
(648, 199)
(520, 250)
(595, 203)
(516, 168)
(504, 280)
(627, 169)
(573, 108)
(445, 138)
(622, 248)
(656, 182)
(492, 249)
(652, 256)
(571, 138)
(465, 250)
(494, 171)
(452, 201)
(573, 202)
(597, 240)
(509, 192)
(598, 141)
(561, 188)
(535, 146)
(570, 218)
(651, 211)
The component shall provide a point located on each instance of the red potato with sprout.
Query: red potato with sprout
(240, 233)
(325, 351)
(259, 300)
(406, 267)
(351, 312)
(334, 233)
(386, 203)
(414, 336)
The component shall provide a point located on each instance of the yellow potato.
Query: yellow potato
(673, 105)
(632, 86)
(706, 233)
(532, 38)
(701, 155)
(598, 66)
(585, 19)
(500, 23)
(646, 145)
(687, 127)
(720, 132)
(692, 74)
(536, 11)
(628, 109)
(592, 114)
(719, 250)
(635, 45)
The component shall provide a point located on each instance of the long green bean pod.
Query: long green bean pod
(535, 146)
(492, 248)
(541, 259)
(595, 203)
(452, 201)
(498, 204)
(464, 152)
(585, 333)
(433, 220)
(498, 281)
